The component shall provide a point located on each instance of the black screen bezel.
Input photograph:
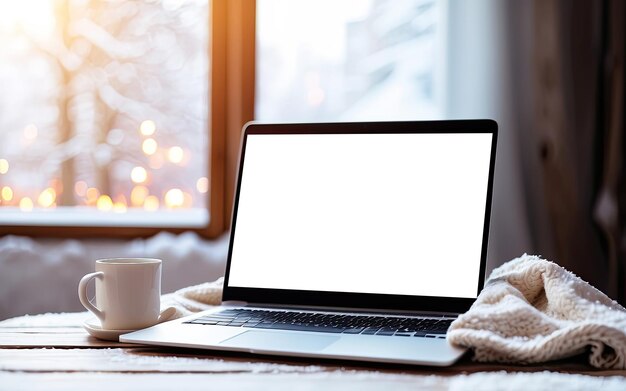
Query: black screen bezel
(362, 300)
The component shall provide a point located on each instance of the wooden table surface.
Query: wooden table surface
(37, 353)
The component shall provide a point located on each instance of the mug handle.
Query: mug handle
(82, 294)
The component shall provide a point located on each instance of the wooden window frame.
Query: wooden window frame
(231, 103)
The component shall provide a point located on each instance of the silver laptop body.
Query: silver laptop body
(339, 224)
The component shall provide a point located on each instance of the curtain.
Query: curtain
(573, 142)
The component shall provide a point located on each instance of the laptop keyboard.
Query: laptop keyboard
(328, 323)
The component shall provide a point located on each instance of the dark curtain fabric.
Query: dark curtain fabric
(571, 134)
(610, 120)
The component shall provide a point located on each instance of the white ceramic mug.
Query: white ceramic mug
(128, 293)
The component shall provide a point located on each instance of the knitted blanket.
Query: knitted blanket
(194, 298)
(530, 311)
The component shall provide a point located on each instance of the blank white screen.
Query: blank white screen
(370, 213)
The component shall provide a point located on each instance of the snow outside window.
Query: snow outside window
(350, 60)
(104, 109)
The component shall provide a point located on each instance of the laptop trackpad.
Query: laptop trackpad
(261, 340)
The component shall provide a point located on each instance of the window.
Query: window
(349, 60)
(105, 113)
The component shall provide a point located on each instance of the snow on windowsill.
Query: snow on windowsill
(41, 275)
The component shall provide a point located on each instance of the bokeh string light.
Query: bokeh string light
(139, 196)
(4, 166)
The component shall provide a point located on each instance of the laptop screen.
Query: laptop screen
(378, 213)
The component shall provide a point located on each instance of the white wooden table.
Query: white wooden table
(55, 353)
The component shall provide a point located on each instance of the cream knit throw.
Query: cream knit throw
(532, 310)
(194, 298)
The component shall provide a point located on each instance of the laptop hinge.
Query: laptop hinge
(235, 303)
(341, 309)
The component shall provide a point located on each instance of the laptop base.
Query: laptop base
(371, 348)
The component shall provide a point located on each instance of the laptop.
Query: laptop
(357, 241)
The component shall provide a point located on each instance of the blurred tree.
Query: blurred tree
(114, 65)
